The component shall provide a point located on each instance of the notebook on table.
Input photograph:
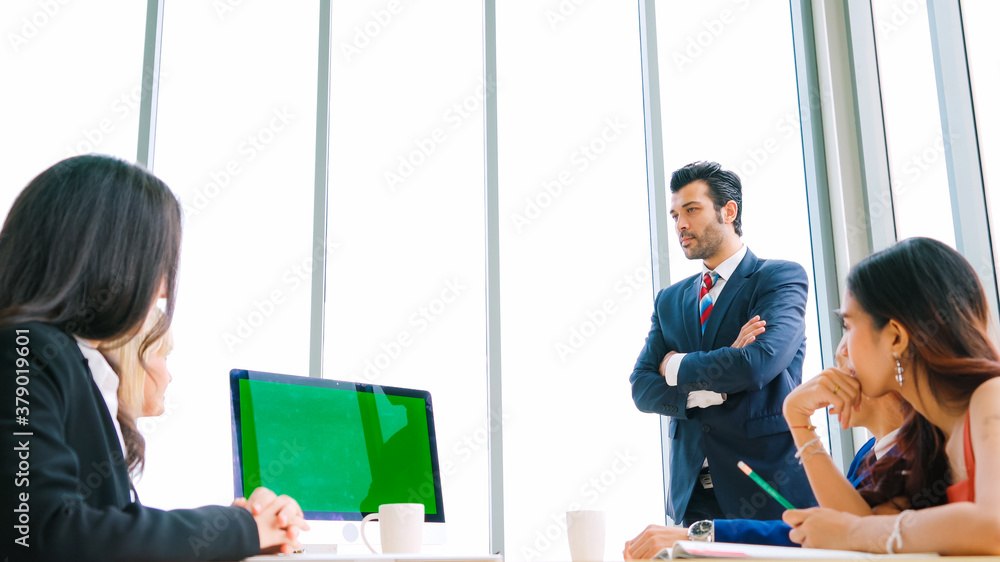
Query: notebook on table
(692, 549)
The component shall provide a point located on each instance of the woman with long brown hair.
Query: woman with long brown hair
(88, 248)
(916, 321)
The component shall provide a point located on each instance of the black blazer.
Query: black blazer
(67, 479)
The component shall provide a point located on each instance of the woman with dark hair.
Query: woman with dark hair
(882, 416)
(87, 249)
(916, 321)
(878, 482)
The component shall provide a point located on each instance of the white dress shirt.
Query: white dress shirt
(725, 270)
(107, 383)
(883, 445)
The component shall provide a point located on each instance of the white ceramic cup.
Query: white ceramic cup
(401, 526)
(586, 535)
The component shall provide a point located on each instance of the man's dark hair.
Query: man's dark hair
(723, 186)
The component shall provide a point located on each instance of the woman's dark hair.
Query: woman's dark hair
(888, 477)
(85, 248)
(933, 292)
(723, 186)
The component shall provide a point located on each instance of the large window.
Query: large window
(715, 60)
(235, 141)
(575, 275)
(72, 76)
(982, 46)
(405, 299)
(914, 140)
(405, 286)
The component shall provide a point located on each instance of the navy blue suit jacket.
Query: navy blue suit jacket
(775, 533)
(749, 425)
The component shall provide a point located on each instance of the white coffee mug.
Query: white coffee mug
(586, 535)
(401, 526)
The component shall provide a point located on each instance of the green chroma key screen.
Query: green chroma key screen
(340, 449)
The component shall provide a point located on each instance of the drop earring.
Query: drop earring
(899, 372)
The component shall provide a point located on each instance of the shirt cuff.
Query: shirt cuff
(673, 366)
(704, 399)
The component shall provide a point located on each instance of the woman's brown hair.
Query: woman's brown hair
(935, 294)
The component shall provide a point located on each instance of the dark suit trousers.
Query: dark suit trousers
(703, 504)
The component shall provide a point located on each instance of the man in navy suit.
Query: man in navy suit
(724, 398)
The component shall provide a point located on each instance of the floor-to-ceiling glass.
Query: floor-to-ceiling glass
(72, 75)
(235, 141)
(921, 200)
(576, 288)
(982, 46)
(405, 293)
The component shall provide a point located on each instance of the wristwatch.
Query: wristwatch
(702, 531)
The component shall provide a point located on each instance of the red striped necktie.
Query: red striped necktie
(705, 300)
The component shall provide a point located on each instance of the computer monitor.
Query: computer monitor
(339, 448)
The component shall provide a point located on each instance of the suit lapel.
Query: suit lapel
(110, 439)
(692, 323)
(729, 291)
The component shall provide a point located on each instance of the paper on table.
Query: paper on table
(691, 549)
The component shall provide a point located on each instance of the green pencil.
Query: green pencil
(767, 488)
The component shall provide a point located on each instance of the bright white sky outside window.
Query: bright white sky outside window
(405, 296)
(982, 45)
(47, 56)
(576, 292)
(919, 174)
(235, 141)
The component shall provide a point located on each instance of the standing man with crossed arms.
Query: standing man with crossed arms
(725, 348)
